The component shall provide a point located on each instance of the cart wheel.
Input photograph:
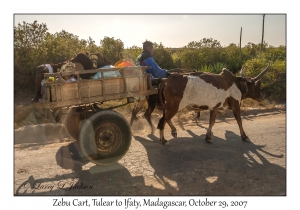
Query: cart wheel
(73, 120)
(105, 137)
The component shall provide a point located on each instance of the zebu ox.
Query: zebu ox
(153, 102)
(207, 92)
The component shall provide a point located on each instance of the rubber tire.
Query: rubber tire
(105, 124)
(72, 121)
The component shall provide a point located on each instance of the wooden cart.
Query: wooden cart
(104, 135)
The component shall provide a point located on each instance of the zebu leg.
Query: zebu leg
(174, 131)
(170, 113)
(161, 127)
(197, 116)
(151, 106)
(136, 109)
(213, 114)
(237, 114)
(162, 122)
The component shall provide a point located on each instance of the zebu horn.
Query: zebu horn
(244, 75)
(262, 73)
(242, 72)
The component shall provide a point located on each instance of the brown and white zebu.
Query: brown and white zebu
(153, 102)
(207, 92)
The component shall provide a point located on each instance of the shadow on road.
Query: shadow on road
(185, 166)
(108, 180)
(228, 166)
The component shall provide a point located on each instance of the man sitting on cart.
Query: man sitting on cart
(146, 59)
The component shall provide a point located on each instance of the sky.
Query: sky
(171, 30)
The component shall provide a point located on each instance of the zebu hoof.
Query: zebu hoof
(208, 140)
(163, 141)
(174, 134)
(246, 139)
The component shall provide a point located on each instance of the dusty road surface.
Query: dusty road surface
(186, 165)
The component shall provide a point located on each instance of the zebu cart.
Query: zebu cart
(104, 135)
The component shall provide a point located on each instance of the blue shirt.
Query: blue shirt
(156, 71)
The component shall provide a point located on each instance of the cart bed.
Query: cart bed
(129, 82)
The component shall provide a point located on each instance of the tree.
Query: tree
(112, 48)
(91, 47)
(274, 81)
(230, 56)
(250, 51)
(33, 46)
(61, 46)
(163, 56)
(200, 54)
(275, 53)
(204, 43)
(133, 52)
(28, 38)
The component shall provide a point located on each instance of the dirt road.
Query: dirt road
(187, 165)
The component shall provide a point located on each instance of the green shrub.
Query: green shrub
(217, 67)
(274, 81)
(206, 68)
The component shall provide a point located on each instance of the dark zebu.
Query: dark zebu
(152, 103)
(88, 61)
(207, 92)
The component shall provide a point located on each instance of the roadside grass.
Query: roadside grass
(126, 108)
(250, 103)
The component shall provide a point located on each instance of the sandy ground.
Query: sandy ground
(187, 165)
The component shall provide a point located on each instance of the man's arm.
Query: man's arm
(156, 71)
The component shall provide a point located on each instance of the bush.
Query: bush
(112, 48)
(163, 56)
(274, 81)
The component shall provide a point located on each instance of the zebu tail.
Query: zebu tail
(161, 96)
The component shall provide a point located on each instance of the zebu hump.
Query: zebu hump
(216, 80)
(176, 84)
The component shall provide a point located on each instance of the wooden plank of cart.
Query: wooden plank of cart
(104, 135)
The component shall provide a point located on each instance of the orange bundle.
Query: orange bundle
(124, 62)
